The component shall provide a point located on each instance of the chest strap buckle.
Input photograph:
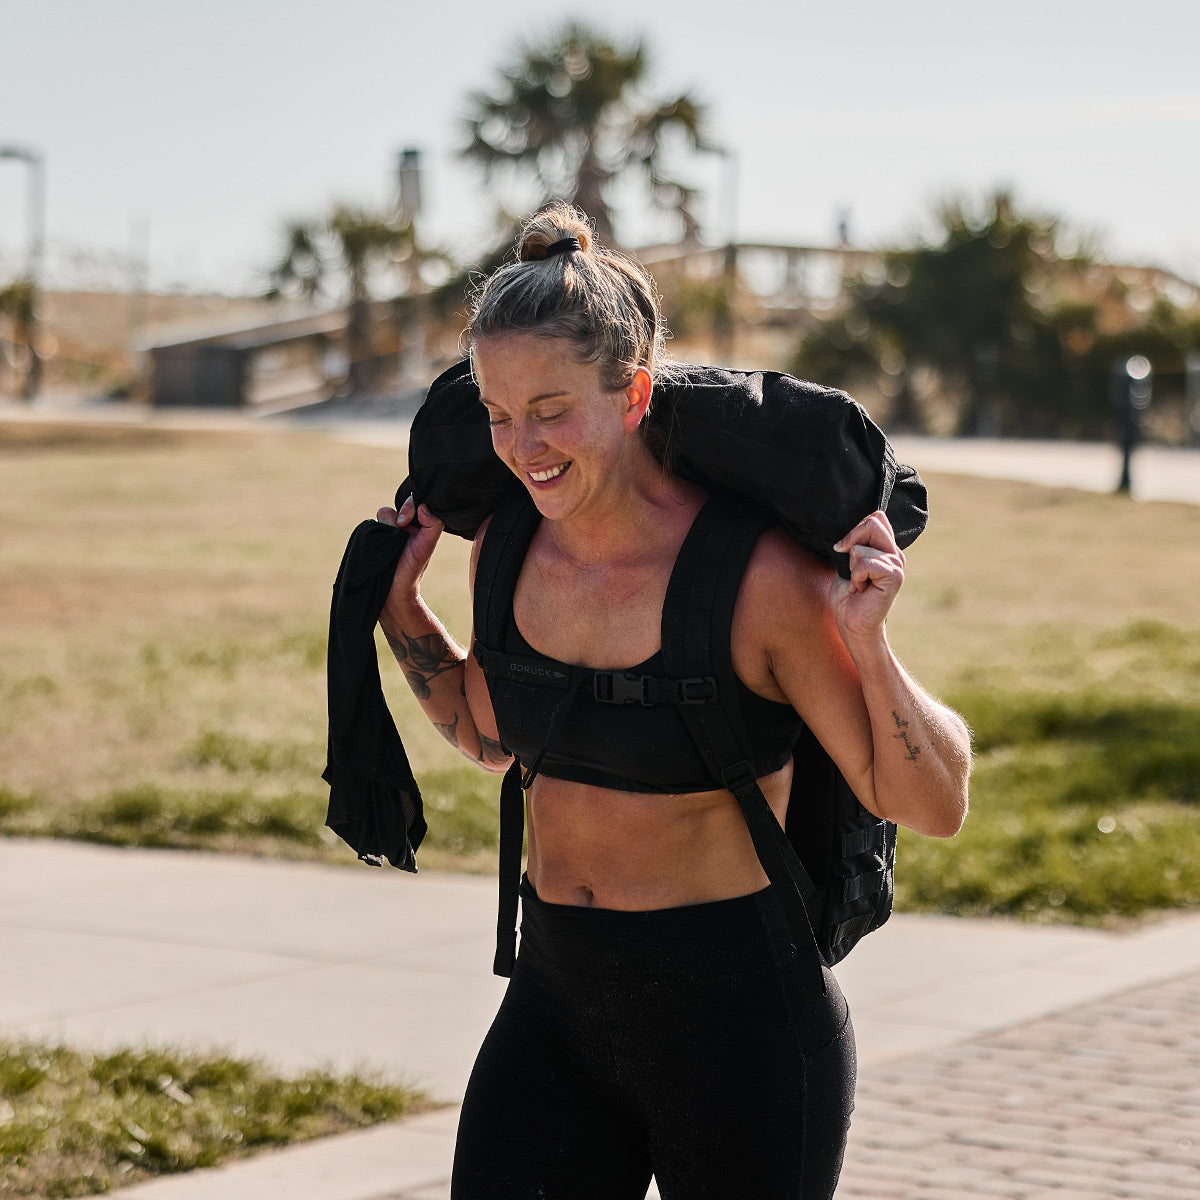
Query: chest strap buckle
(620, 687)
(699, 689)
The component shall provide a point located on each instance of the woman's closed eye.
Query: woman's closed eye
(541, 418)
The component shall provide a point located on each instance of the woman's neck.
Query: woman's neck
(636, 513)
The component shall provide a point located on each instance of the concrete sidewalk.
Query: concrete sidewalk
(350, 967)
(1158, 472)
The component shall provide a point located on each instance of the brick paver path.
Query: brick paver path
(1095, 1103)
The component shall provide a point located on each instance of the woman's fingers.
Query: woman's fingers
(404, 516)
(874, 530)
(425, 518)
(424, 530)
(862, 603)
(875, 568)
(875, 558)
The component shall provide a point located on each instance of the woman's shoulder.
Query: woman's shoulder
(476, 546)
(782, 610)
(779, 565)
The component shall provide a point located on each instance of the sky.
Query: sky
(188, 134)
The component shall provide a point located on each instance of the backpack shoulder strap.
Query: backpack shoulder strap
(697, 628)
(499, 564)
(501, 555)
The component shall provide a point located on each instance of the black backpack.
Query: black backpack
(832, 868)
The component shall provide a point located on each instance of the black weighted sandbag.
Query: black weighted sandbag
(809, 454)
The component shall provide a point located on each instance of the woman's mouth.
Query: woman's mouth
(548, 473)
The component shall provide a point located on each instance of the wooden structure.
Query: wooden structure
(264, 366)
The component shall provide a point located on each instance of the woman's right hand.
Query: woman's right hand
(426, 529)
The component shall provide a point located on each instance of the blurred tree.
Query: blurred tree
(986, 307)
(352, 254)
(569, 113)
(18, 302)
(1164, 334)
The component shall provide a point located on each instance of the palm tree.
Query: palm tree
(983, 306)
(570, 113)
(355, 248)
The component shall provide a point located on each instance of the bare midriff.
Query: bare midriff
(635, 851)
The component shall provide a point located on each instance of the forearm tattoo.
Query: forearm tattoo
(450, 731)
(422, 659)
(902, 736)
(490, 750)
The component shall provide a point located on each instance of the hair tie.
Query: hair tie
(567, 245)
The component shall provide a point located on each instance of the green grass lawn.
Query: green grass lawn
(75, 1124)
(163, 608)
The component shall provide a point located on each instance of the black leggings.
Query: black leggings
(695, 1044)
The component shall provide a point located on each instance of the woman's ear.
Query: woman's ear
(637, 396)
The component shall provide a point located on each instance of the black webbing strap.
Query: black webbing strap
(783, 867)
(697, 629)
(866, 840)
(857, 886)
(606, 687)
(500, 557)
(512, 838)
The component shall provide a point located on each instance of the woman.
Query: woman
(660, 1019)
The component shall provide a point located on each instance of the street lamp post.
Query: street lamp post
(1132, 387)
(36, 215)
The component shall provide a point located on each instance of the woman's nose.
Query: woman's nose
(527, 441)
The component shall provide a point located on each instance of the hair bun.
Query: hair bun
(557, 222)
(601, 300)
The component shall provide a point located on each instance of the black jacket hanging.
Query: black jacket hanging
(374, 801)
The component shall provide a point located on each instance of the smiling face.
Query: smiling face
(553, 423)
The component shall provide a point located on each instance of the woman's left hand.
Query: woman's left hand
(861, 603)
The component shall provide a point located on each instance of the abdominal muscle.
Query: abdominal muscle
(635, 851)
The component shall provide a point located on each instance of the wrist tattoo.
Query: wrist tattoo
(422, 659)
(902, 736)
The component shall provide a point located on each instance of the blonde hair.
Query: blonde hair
(605, 303)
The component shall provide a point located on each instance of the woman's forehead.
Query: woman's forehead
(524, 367)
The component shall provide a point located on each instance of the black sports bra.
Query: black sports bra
(550, 709)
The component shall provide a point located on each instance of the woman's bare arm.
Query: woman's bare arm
(442, 676)
(907, 756)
